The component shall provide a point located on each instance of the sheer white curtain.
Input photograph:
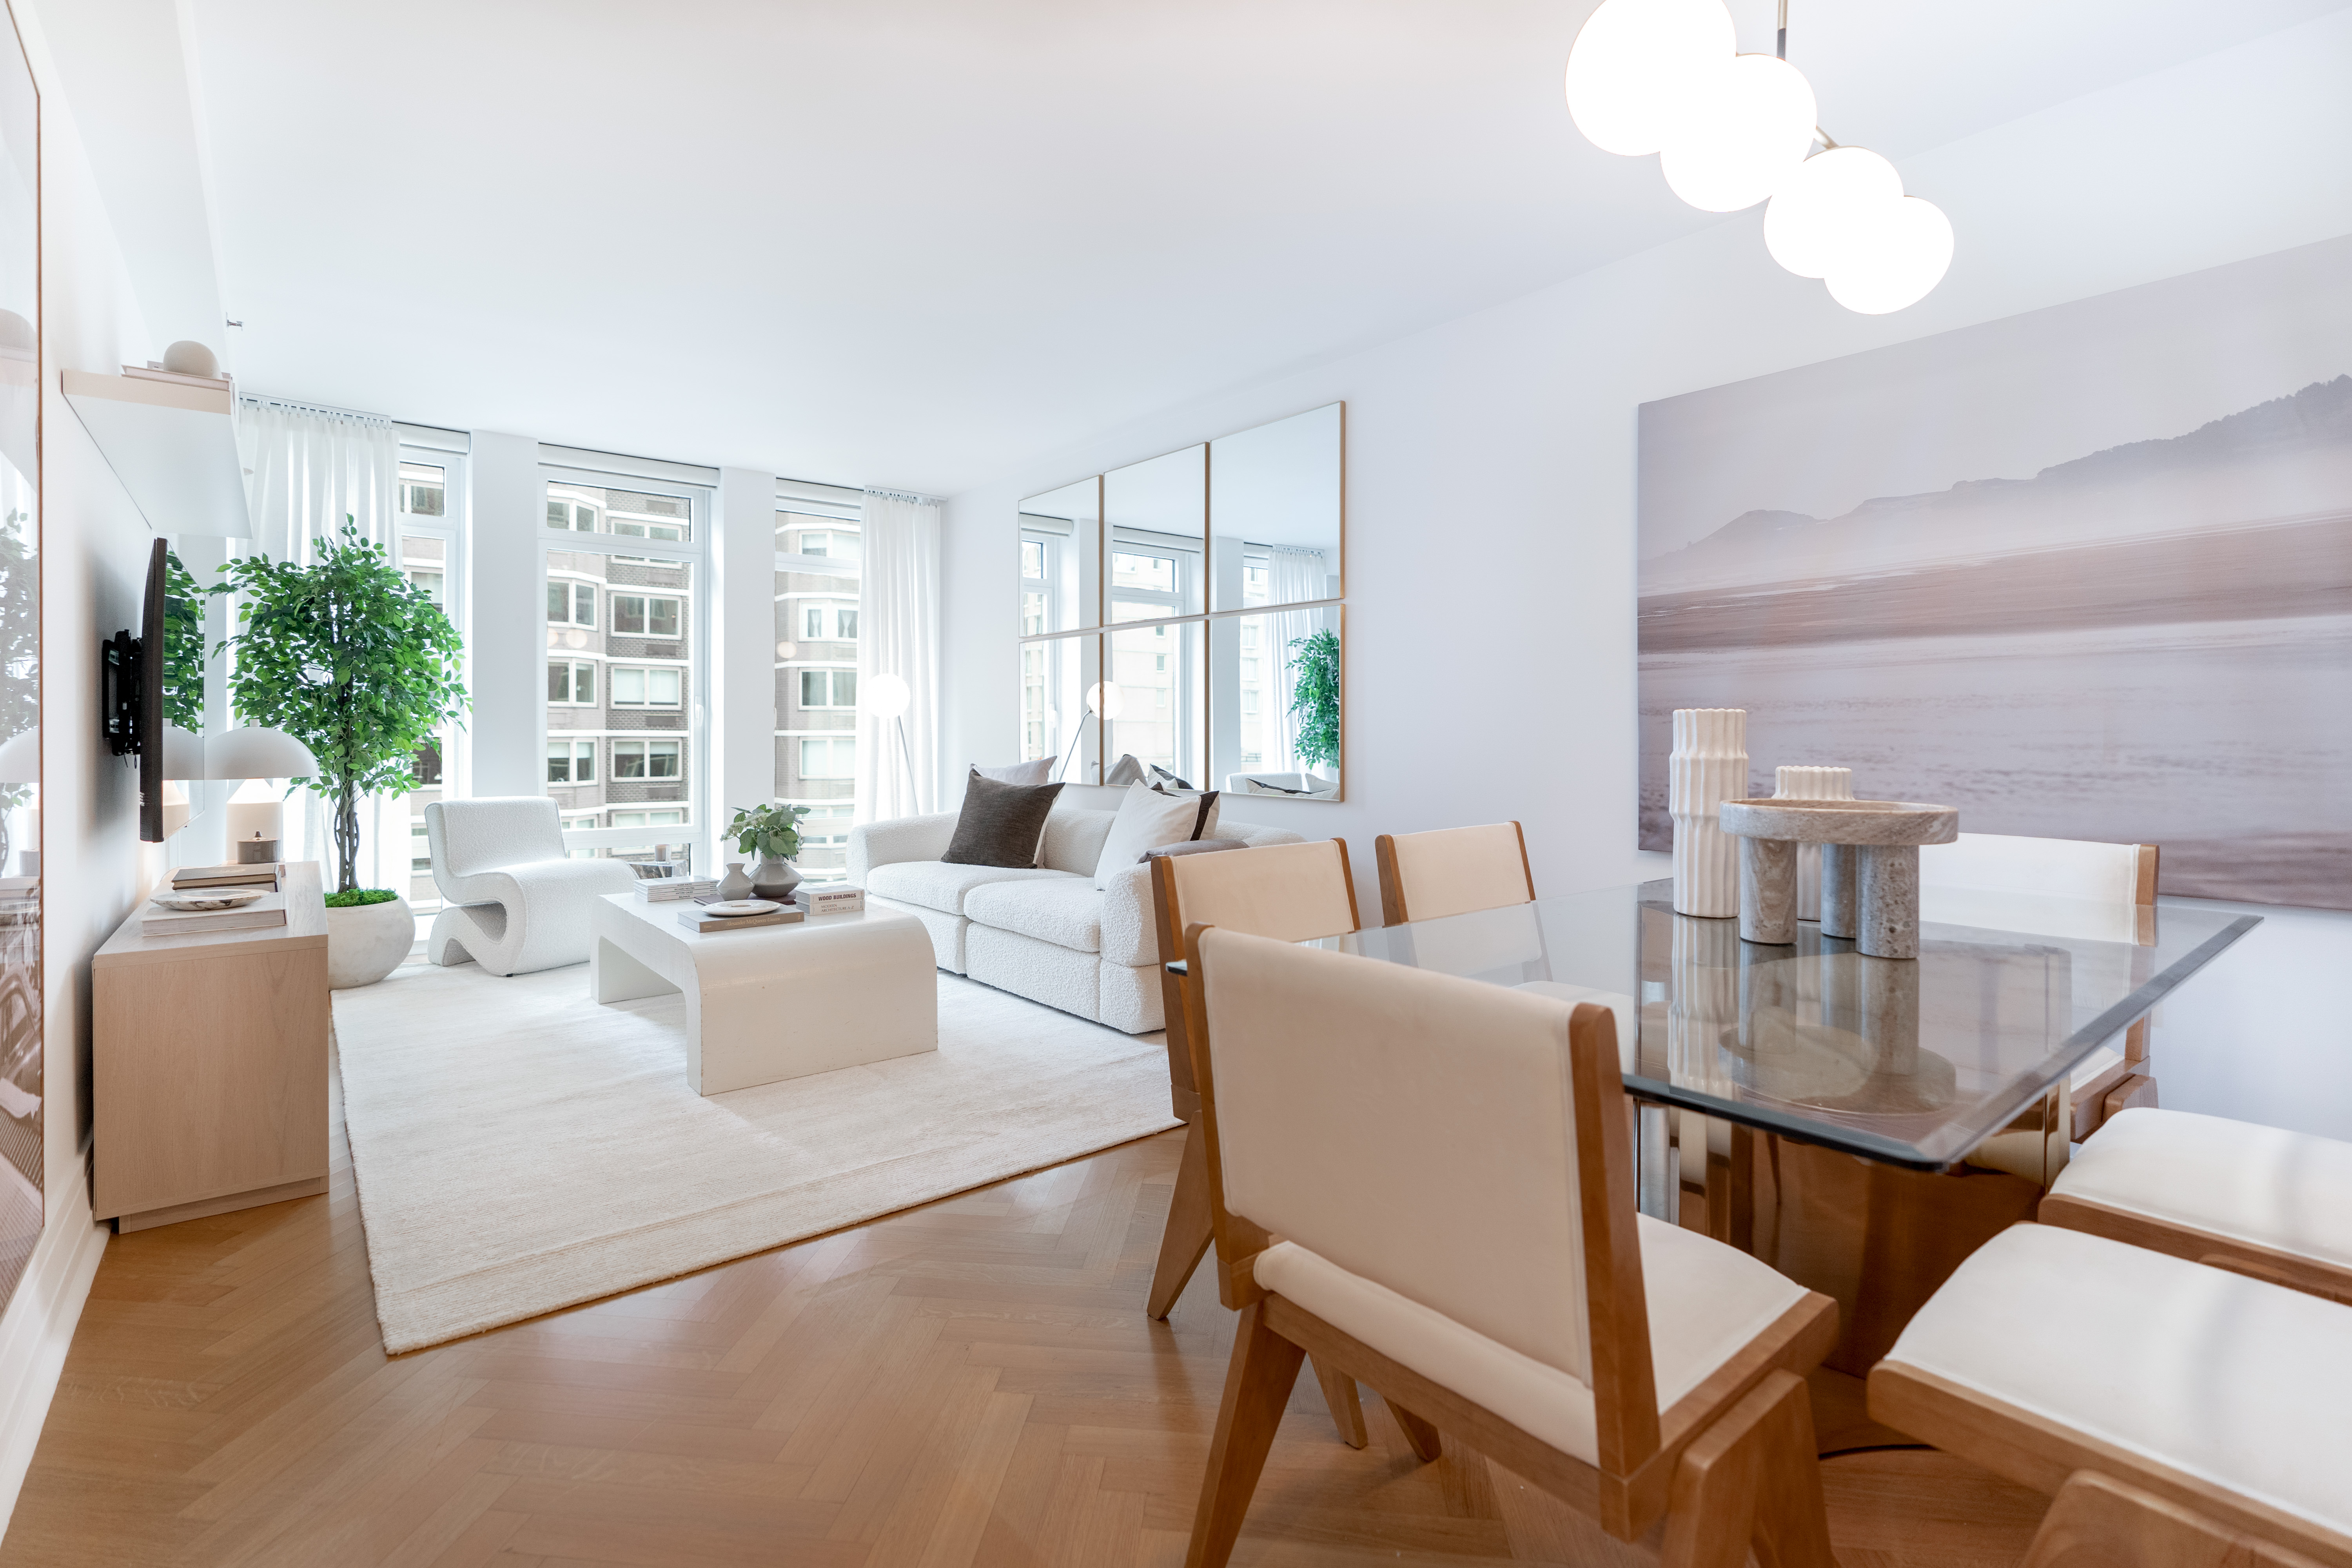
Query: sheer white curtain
(899, 634)
(308, 469)
(1292, 574)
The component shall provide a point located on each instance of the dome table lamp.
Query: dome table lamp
(889, 697)
(255, 752)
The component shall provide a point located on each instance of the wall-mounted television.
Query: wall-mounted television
(131, 705)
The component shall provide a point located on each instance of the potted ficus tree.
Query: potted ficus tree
(351, 658)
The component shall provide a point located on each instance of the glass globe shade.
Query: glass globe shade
(887, 696)
(787, 650)
(1634, 61)
(1105, 698)
(1821, 210)
(1747, 125)
(1903, 255)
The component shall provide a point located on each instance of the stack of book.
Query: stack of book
(194, 878)
(830, 900)
(672, 890)
(269, 909)
(697, 919)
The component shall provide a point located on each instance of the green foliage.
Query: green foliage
(768, 830)
(20, 640)
(1315, 661)
(183, 647)
(358, 898)
(347, 656)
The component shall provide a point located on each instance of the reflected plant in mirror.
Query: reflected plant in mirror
(1315, 702)
(183, 647)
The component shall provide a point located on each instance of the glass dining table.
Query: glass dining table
(1861, 1123)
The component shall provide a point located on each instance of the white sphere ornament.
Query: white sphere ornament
(887, 696)
(1904, 255)
(1633, 64)
(1745, 125)
(1106, 700)
(1824, 211)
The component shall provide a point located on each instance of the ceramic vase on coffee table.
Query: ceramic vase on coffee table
(774, 878)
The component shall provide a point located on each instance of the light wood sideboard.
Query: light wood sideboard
(209, 1064)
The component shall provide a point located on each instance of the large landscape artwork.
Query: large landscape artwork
(2084, 574)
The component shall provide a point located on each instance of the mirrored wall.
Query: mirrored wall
(1182, 616)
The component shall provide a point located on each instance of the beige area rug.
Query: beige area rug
(520, 1147)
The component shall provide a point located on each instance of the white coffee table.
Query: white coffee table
(773, 1002)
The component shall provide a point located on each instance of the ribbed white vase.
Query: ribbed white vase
(1707, 766)
(1810, 784)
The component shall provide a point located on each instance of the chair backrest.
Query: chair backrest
(1452, 871)
(2049, 868)
(1290, 892)
(1515, 1215)
(468, 836)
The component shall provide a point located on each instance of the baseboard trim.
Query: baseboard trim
(34, 1333)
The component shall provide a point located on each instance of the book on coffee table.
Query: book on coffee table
(694, 918)
(188, 876)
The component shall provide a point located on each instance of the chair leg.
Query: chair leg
(1189, 1229)
(1752, 1480)
(1420, 1435)
(1346, 1407)
(2099, 1522)
(1257, 1385)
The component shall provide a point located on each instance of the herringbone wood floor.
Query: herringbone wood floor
(970, 1383)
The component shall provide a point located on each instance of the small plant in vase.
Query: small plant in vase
(773, 833)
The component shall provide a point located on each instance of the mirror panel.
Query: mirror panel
(1155, 514)
(1155, 707)
(1055, 675)
(1061, 559)
(1275, 503)
(1276, 700)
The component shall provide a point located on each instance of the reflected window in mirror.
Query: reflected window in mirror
(1275, 701)
(1276, 501)
(1057, 674)
(1061, 559)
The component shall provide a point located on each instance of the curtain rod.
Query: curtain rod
(259, 400)
(906, 496)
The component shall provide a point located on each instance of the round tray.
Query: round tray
(1842, 821)
(185, 903)
(735, 908)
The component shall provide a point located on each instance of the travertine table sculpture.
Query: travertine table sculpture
(1870, 867)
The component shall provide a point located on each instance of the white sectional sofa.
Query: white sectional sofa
(1041, 933)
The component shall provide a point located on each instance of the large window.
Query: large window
(818, 549)
(625, 649)
(432, 555)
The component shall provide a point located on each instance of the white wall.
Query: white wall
(1491, 461)
(93, 565)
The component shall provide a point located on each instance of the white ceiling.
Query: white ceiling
(914, 242)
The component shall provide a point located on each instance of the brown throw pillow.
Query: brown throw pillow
(1001, 824)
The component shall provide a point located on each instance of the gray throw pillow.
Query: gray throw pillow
(1039, 771)
(1126, 771)
(1001, 824)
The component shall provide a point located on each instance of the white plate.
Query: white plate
(192, 903)
(733, 907)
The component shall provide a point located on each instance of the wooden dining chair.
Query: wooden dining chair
(1497, 1285)
(1290, 892)
(2260, 1201)
(2121, 877)
(1452, 871)
(2214, 1429)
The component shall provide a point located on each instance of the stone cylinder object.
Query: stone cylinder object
(1886, 900)
(1793, 782)
(1837, 916)
(1707, 766)
(1767, 890)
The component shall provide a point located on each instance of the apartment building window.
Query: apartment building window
(828, 757)
(429, 549)
(626, 642)
(828, 688)
(423, 488)
(571, 683)
(829, 623)
(662, 686)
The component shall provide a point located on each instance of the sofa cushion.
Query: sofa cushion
(1037, 770)
(1074, 837)
(1001, 824)
(936, 885)
(1061, 908)
(1146, 820)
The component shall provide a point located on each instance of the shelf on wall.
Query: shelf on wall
(173, 446)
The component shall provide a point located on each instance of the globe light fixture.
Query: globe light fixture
(1106, 700)
(1635, 62)
(1733, 130)
(1747, 125)
(887, 697)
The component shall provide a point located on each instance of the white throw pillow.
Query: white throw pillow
(1146, 820)
(1039, 771)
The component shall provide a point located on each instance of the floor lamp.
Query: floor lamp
(887, 696)
(1103, 698)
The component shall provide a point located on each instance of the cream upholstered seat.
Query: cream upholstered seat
(2227, 1396)
(1452, 871)
(2069, 888)
(2265, 1200)
(1498, 1283)
(515, 903)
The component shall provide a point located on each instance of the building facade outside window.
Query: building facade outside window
(818, 547)
(430, 551)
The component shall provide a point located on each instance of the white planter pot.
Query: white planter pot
(367, 942)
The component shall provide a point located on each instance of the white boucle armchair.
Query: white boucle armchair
(1039, 931)
(515, 903)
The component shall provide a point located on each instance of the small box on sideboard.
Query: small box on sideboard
(830, 900)
(208, 1065)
